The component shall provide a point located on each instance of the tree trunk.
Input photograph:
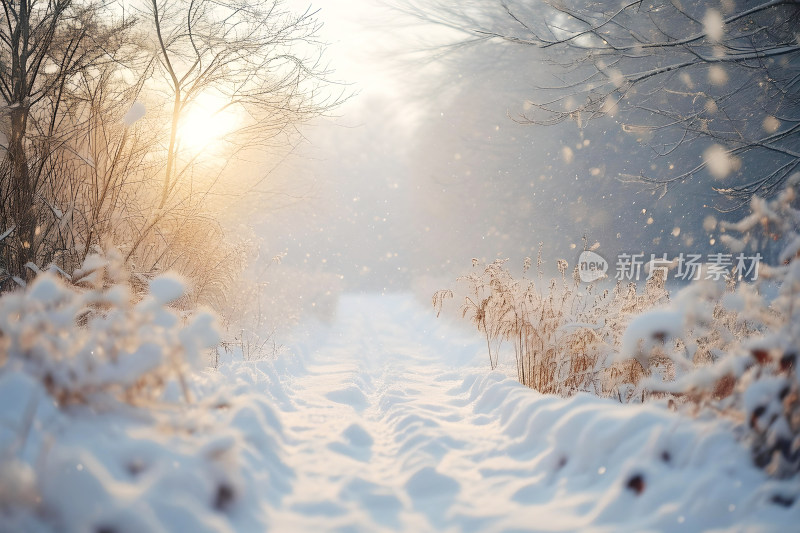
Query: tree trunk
(23, 208)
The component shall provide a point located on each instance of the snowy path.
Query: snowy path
(377, 411)
(389, 421)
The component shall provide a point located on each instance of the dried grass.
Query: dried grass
(563, 334)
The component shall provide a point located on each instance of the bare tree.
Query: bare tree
(256, 61)
(78, 173)
(257, 58)
(45, 46)
(670, 72)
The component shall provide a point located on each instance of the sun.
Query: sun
(205, 124)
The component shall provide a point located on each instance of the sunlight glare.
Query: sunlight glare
(207, 122)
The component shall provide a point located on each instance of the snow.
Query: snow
(134, 114)
(391, 421)
(714, 25)
(7, 232)
(46, 290)
(765, 394)
(716, 157)
(649, 330)
(166, 288)
(385, 420)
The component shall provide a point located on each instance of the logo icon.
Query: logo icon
(591, 266)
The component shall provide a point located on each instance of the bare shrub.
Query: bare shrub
(563, 335)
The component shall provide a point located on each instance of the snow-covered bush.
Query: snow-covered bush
(101, 427)
(95, 345)
(736, 350)
(565, 335)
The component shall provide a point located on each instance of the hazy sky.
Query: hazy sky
(424, 169)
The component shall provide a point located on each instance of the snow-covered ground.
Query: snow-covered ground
(389, 420)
